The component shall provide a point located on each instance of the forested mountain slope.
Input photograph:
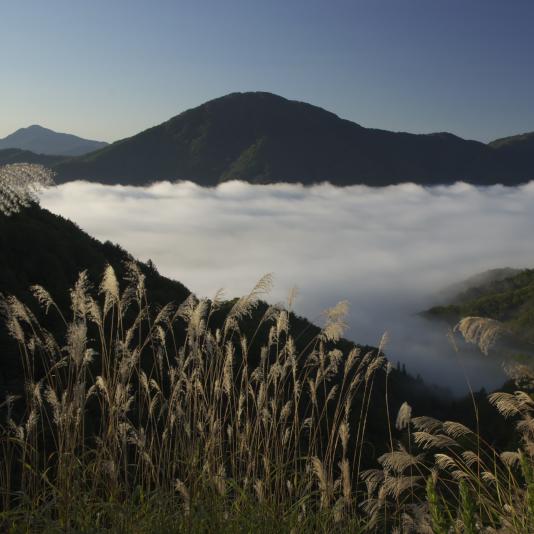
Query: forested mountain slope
(510, 300)
(264, 138)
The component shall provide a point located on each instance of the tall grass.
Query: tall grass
(443, 477)
(136, 419)
(135, 405)
(19, 183)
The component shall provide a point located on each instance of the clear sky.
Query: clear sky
(106, 69)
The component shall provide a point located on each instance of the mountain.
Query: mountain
(39, 247)
(44, 141)
(509, 300)
(16, 155)
(516, 152)
(264, 138)
(475, 285)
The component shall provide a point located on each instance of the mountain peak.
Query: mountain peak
(248, 95)
(260, 103)
(33, 129)
(41, 140)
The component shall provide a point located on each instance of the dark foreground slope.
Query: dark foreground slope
(264, 138)
(38, 247)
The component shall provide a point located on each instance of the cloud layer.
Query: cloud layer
(387, 250)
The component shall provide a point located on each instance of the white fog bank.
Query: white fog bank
(386, 250)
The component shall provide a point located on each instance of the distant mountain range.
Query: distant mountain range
(264, 138)
(44, 141)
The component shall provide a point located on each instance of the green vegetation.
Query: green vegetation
(510, 301)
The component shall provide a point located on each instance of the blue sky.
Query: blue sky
(108, 69)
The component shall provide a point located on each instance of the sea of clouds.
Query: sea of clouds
(389, 251)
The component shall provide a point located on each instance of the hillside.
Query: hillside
(264, 138)
(474, 285)
(41, 140)
(509, 300)
(38, 247)
(17, 155)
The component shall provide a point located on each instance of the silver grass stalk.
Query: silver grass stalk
(335, 324)
(480, 331)
(19, 185)
(404, 416)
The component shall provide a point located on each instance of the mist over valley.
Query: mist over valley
(389, 251)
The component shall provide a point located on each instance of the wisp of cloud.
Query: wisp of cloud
(387, 250)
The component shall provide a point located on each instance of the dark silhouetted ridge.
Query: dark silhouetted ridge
(264, 138)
